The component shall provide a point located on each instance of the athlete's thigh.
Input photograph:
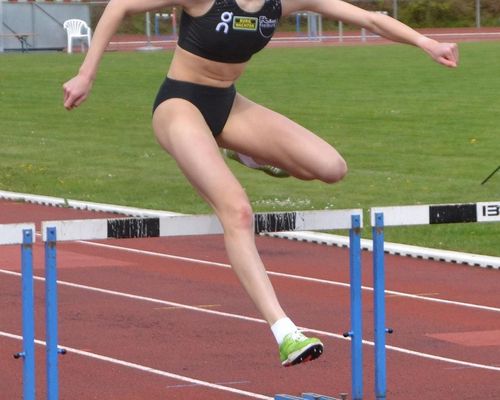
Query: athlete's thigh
(181, 129)
(264, 134)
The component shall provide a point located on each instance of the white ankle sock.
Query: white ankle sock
(283, 327)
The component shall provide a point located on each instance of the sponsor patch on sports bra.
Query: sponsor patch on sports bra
(267, 26)
(245, 23)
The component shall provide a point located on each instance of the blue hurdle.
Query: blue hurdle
(9, 235)
(24, 235)
(379, 307)
(174, 225)
(309, 396)
(28, 310)
(356, 332)
(51, 310)
(407, 216)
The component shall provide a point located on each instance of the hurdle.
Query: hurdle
(309, 396)
(382, 217)
(24, 235)
(186, 225)
(51, 314)
(180, 225)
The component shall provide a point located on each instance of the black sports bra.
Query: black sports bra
(226, 33)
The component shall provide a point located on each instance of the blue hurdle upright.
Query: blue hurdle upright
(28, 314)
(24, 235)
(356, 332)
(380, 329)
(51, 313)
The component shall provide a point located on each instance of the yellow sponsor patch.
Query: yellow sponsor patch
(245, 23)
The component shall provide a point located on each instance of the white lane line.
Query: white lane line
(217, 383)
(144, 368)
(296, 277)
(261, 321)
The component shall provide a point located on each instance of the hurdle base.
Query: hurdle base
(309, 396)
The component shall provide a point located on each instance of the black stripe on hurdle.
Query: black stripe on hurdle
(275, 222)
(130, 228)
(453, 213)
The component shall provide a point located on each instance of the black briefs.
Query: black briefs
(214, 103)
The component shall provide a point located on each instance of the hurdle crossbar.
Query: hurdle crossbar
(438, 214)
(179, 225)
(13, 233)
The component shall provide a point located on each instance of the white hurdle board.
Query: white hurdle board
(13, 233)
(438, 214)
(129, 228)
(179, 225)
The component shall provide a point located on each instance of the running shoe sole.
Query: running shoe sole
(308, 353)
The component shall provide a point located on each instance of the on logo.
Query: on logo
(226, 17)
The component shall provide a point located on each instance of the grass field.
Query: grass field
(412, 132)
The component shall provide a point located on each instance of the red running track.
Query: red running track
(151, 315)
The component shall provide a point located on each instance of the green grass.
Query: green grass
(412, 132)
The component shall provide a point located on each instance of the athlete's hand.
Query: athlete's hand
(76, 90)
(444, 53)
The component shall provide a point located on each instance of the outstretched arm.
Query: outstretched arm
(77, 89)
(383, 25)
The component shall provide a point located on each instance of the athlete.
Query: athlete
(198, 110)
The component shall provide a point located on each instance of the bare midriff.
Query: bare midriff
(189, 67)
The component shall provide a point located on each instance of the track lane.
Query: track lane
(318, 305)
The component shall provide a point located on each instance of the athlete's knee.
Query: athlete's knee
(237, 215)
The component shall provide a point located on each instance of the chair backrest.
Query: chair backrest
(75, 26)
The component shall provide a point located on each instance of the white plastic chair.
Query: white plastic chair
(77, 29)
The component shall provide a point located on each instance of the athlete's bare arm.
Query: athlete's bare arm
(77, 89)
(383, 25)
